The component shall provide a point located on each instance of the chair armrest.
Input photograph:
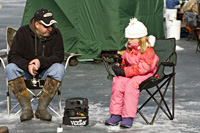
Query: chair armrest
(170, 64)
(109, 60)
(68, 56)
(105, 62)
(4, 56)
(2, 61)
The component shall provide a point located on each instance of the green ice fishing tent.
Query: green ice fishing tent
(90, 26)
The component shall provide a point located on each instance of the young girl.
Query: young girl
(139, 62)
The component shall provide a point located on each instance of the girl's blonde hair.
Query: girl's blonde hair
(142, 42)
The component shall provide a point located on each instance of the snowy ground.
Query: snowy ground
(89, 80)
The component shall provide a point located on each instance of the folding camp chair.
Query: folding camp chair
(34, 86)
(165, 50)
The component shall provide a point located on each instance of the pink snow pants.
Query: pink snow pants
(125, 95)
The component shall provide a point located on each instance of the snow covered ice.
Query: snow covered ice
(88, 80)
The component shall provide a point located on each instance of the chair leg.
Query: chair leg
(8, 98)
(173, 95)
(54, 111)
(159, 105)
(198, 46)
(59, 98)
(59, 102)
(51, 107)
(198, 41)
(192, 35)
(141, 114)
(34, 96)
(9, 101)
(168, 113)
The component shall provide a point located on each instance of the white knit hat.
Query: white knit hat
(135, 29)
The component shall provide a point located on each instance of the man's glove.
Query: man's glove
(117, 58)
(118, 71)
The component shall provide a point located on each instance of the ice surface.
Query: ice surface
(89, 80)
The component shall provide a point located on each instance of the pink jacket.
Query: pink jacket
(134, 63)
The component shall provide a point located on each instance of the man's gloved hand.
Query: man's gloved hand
(117, 58)
(118, 71)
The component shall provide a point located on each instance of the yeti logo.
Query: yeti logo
(78, 123)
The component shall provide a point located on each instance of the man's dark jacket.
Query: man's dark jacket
(27, 46)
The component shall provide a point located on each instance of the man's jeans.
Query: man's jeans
(55, 71)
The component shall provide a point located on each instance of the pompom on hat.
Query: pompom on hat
(135, 29)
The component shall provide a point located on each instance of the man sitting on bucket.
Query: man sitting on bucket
(37, 51)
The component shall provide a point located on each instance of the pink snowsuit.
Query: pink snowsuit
(125, 94)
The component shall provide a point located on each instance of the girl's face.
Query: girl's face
(132, 41)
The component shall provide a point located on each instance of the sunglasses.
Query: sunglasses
(45, 25)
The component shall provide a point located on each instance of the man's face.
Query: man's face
(42, 30)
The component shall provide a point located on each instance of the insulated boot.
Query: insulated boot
(20, 91)
(4, 129)
(50, 88)
(126, 122)
(114, 120)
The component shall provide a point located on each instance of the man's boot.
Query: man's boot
(20, 91)
(50, 88)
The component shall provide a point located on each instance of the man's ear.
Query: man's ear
(36, 25)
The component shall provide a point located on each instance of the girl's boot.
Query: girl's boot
(126, 122)
(114, 120)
